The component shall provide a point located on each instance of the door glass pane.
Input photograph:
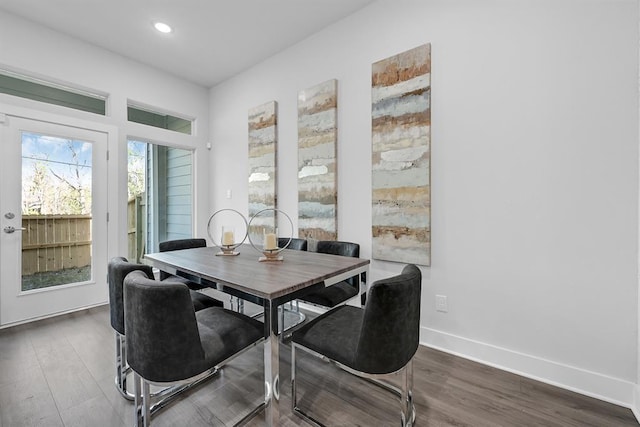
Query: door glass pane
(56, 211)
(160, 196)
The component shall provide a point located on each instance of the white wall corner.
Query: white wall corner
(635, 407)
(592, 384)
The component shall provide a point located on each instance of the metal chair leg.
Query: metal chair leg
(122, 369)
(293, 378)
(404, 400)
(294, 400)
(141, 402)
(146, 404)
(408, 410)
(412, 407)
(164, 396)
(294, 317)
(404, 392)
(137, 401)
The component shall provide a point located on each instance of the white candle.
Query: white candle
(270, 242)
(227, 238)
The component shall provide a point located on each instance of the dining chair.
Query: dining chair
(117, 270)
(296, 243)
(341, 292)
(178, 244)
(290, 316)
(169, 344)
(373, 342)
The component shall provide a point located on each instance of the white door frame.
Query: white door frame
(7, 113)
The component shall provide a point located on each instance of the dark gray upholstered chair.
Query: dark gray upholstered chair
(338, 293)
(370, 342)
(290, 317)
(169, 343)
(117, 270)
(296, 244)
(175, 245)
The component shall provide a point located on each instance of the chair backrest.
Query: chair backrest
(335, 247)
(163, 341)
(295, 244)
(391, 324)
(117, 270)
(175, 245)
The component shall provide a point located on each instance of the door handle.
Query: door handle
(10, 229)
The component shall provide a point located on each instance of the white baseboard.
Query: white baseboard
(48, 316)
(593, 384)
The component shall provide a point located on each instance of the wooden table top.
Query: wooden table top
(269, 280)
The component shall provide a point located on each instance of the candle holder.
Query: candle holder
(270, 250)
(271, 255)
(227, 238)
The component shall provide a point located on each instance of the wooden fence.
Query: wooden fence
(136, 215)
(55, 242)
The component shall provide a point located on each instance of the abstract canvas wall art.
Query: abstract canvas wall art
(401, 138)
(317, 137)
(262, 161)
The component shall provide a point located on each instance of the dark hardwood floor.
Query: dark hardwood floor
(60, 372)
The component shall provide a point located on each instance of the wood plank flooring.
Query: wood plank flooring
(60, 372)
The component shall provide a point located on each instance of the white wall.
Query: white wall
(40, 52)
(636, 394)
(534, 172)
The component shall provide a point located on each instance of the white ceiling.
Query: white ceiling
(212, 39)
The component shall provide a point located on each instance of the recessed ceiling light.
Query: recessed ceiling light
(162, 27)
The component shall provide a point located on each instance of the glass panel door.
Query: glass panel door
(160, 205)
(56, 210)
(53, 240)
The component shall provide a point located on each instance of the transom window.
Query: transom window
(157, 119)
(51, 93)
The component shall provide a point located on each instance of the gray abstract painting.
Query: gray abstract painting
(317, 136)
(401, 128)
(262, 162)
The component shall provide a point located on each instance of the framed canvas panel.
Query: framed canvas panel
(262, 165)
(401, 151)
(317, 138)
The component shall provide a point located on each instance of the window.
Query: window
(56, 210)
(160, 196)
(160, 120)
(51, 93)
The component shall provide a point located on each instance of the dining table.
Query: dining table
(268, 284)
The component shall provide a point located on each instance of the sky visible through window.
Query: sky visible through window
(56, 175)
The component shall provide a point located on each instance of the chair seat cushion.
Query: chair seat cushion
(202, 301)
(334, 334)
(191, 285)
(331, 295)
(224, 332)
